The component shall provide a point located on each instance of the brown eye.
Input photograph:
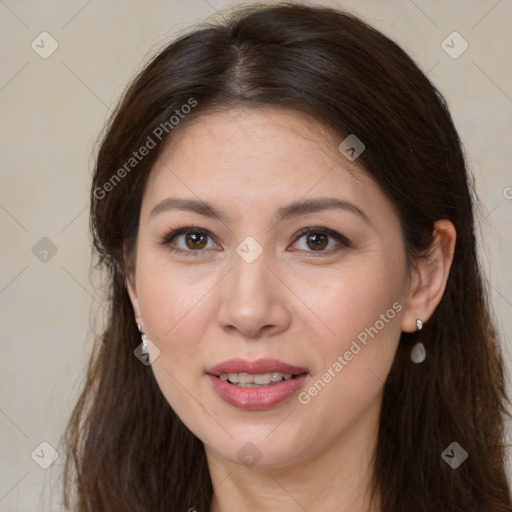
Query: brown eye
(322, 240)
(317, 241)
(196, 240)
(189, 241)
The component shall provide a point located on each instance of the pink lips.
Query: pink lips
(261, 397)
(238, 365)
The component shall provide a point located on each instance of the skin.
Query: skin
(206, 308)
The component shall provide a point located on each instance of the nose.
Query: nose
(255, 301)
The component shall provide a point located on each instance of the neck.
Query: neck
(336, 478)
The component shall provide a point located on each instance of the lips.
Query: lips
(257, 398)
(259, 366)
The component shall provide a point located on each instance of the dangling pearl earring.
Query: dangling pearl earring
(418, 352)
(144, 351)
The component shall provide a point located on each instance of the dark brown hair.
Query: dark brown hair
(126, 448)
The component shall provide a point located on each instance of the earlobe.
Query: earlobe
(430, 276)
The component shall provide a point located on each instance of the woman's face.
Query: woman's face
(295, 257)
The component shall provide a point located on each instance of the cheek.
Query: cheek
(345, 302)
(356, 328)
(175, 307)
(166, 293)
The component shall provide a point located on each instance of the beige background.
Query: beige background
(52, 111)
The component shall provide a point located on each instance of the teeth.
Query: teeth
(264, 378)
(246, 380)
(243, 378)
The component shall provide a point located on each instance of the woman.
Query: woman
(297, 318)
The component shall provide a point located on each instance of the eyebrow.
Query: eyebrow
(292, 210)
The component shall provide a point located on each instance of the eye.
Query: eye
(321, 240)
(192, 241)
(187, 240)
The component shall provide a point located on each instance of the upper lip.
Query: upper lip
(258, 366)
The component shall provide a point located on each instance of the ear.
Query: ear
(429, 277)
(132, 292)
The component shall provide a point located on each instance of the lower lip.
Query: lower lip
(257, 398)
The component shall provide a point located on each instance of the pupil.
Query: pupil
(319, 241)
(197, 240)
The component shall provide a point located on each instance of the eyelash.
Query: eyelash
(183, 230)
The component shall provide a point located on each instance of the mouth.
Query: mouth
(259, 380)
(260, 384)
(262, 372)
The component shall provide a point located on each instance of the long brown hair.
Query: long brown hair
(126, 448)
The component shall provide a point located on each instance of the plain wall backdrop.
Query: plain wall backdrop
(53, 107)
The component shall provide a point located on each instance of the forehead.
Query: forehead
(264, 137)
(255, 157)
